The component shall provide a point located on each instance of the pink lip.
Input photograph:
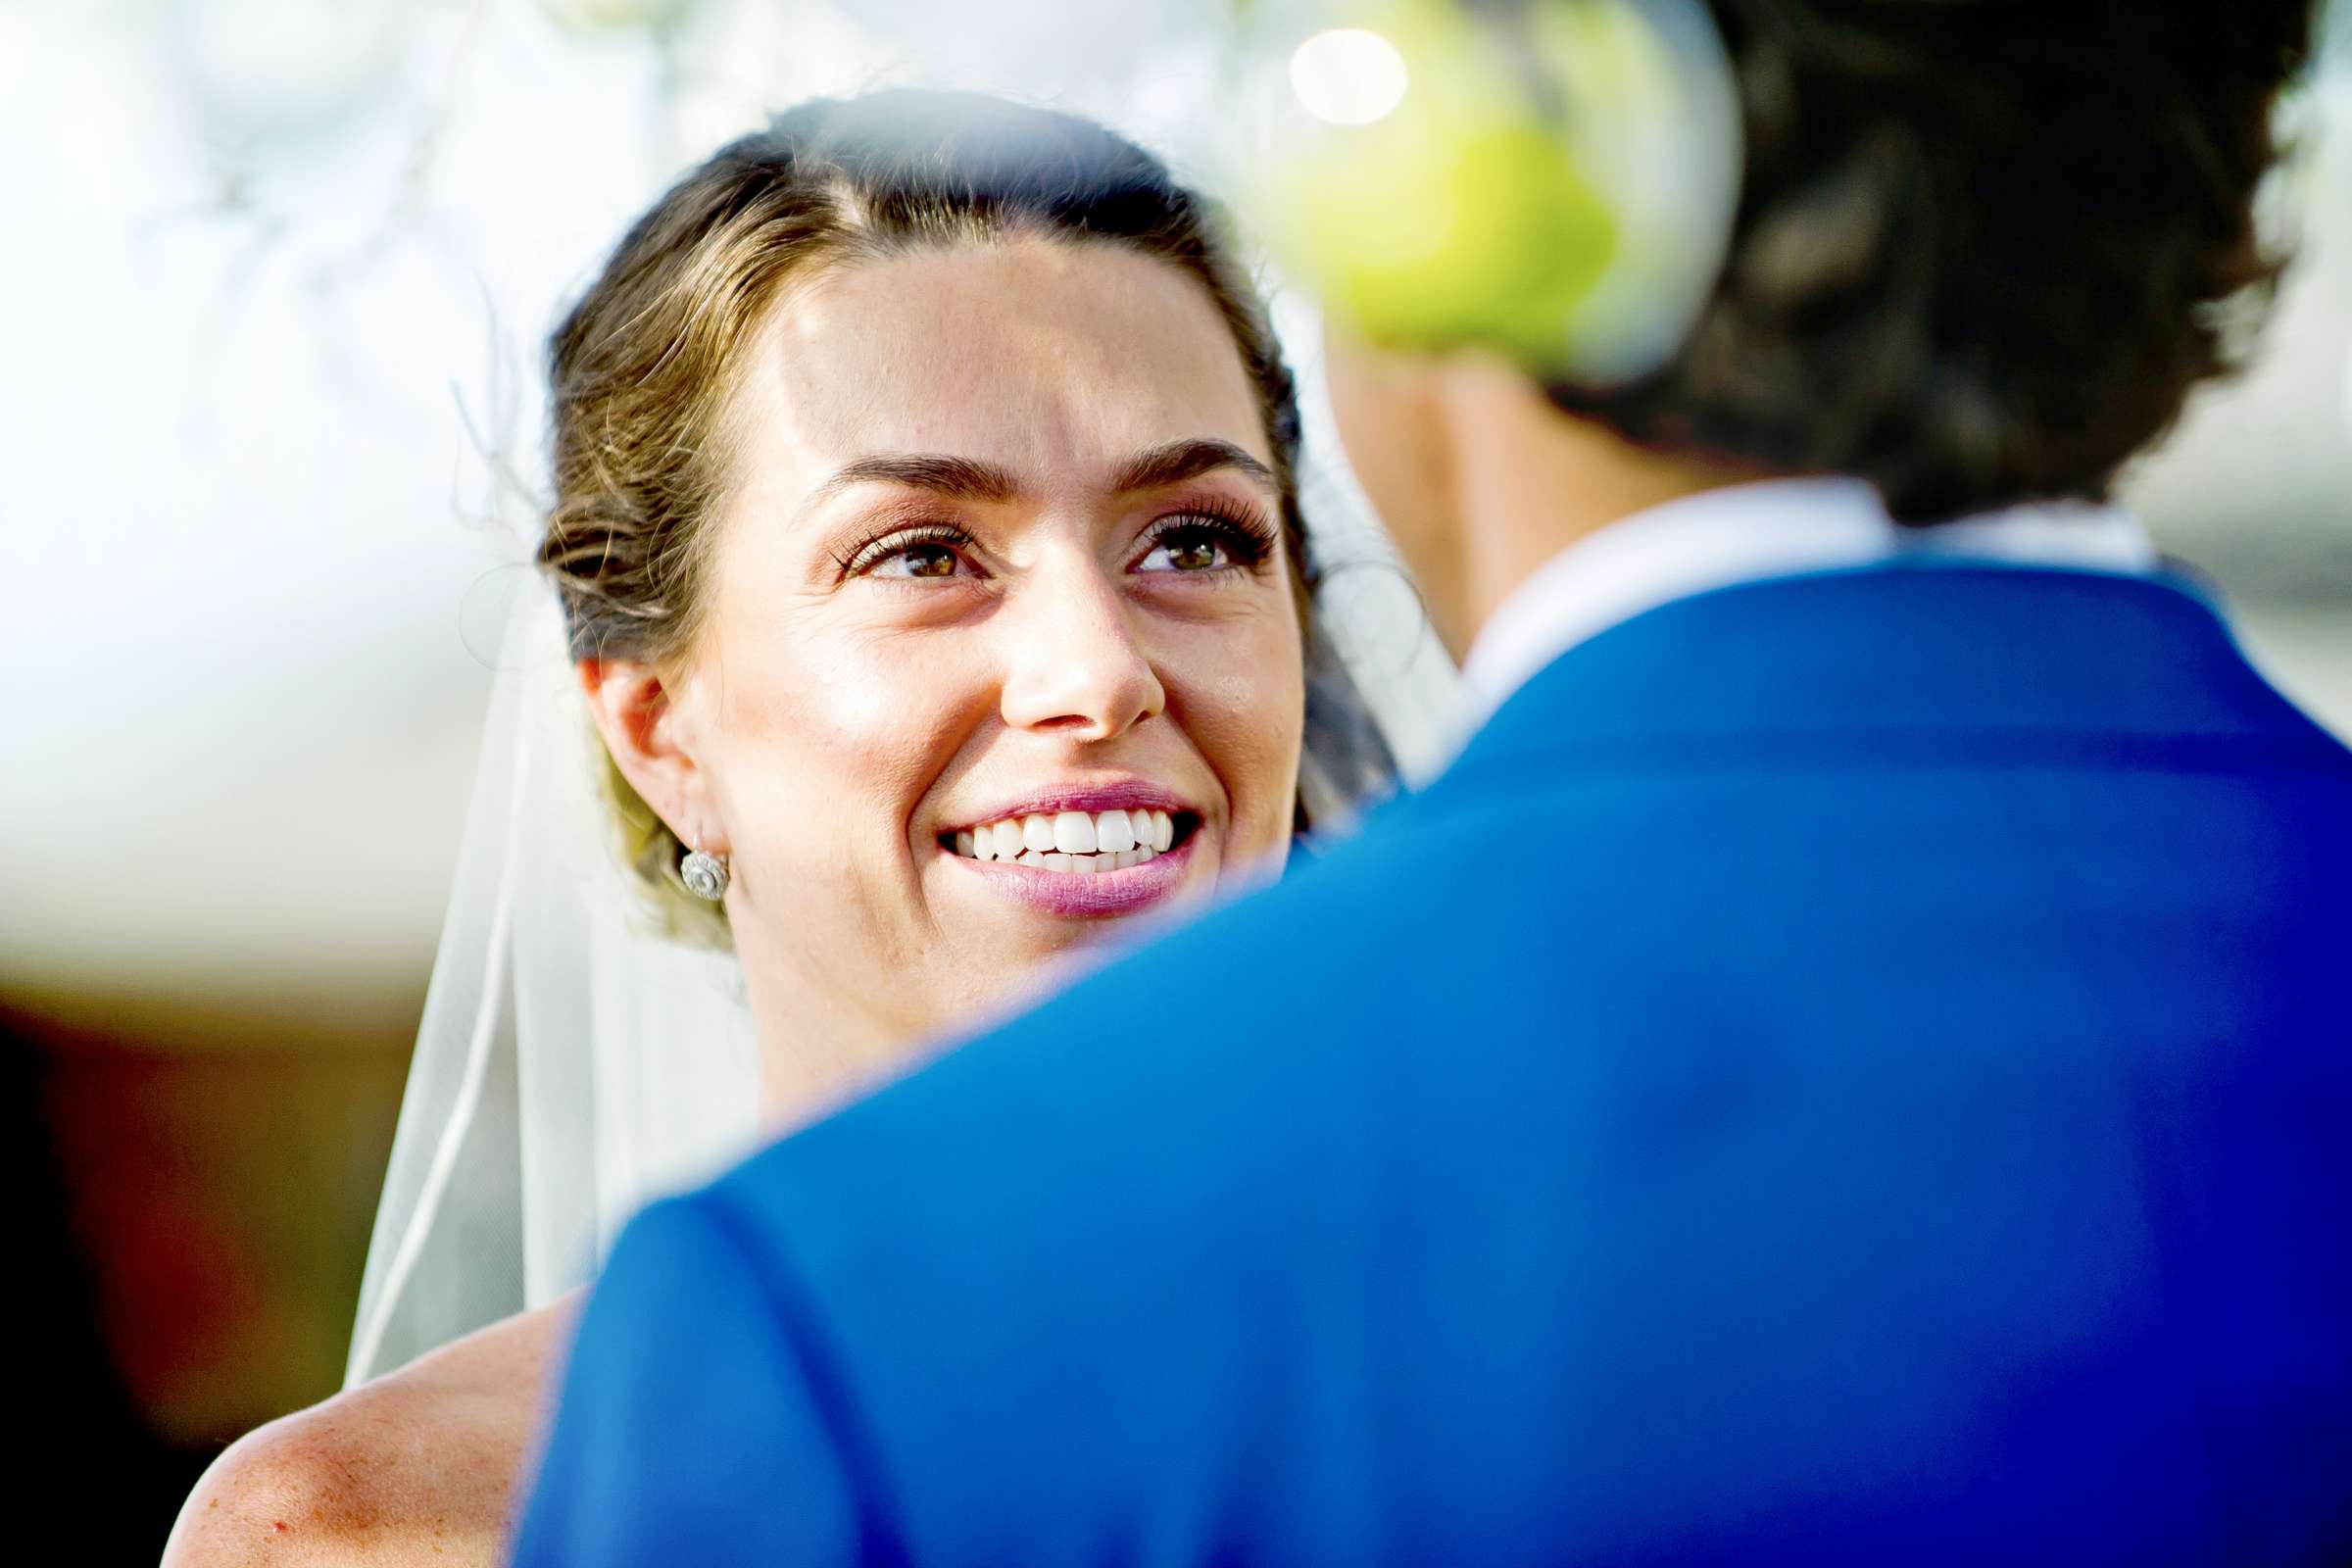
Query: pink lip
(1128, 795)
(1094, 894)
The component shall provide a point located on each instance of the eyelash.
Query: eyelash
(1245, 536)
(883, 543)
(1238, 527)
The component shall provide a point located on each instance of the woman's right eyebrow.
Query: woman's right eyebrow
(964, 478)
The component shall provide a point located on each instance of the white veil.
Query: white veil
(571, 1065)
(568, 1064)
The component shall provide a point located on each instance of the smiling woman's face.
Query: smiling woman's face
(1000, 643)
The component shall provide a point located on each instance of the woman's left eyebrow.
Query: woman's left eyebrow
(1175, 462)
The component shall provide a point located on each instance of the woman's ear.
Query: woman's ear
(650, 736)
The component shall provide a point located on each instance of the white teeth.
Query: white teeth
(1071, 840)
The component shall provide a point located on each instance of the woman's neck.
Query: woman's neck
(824, 1040)
(819, 1041)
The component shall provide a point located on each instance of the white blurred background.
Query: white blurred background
(272, 287)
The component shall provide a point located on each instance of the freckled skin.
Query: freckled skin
(823, 732)
(421, 1466)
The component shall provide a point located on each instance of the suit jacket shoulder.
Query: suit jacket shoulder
(1761, 1100)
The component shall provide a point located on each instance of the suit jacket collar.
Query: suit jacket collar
(1751, 533)
(1893, 658)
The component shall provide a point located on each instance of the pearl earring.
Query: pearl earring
(705, 875)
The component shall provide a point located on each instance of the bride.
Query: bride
(930, 567)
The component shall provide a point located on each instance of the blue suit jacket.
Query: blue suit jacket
(1856, 1068)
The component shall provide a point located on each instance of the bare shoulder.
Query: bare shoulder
(420, 1465)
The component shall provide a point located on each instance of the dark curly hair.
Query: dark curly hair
(1983, 252)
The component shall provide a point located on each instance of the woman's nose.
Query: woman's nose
(1072, 663)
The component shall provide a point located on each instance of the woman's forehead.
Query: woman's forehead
(1049, 359)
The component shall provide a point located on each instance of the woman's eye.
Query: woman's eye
(918, 560)
(1187, 550)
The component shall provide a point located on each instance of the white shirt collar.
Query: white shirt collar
(1745, 533)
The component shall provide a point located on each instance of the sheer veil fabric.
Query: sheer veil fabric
(571, 1066)
(568, 1065)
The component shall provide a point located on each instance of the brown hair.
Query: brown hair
(1982, 251)
(643, 369)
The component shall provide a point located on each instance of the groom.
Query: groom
(1852, 1063)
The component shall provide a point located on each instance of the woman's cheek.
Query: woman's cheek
(1245, 704)
(847, 734)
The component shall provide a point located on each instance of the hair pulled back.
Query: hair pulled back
(644, 370)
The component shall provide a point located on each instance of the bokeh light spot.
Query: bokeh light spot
(1348, 77)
